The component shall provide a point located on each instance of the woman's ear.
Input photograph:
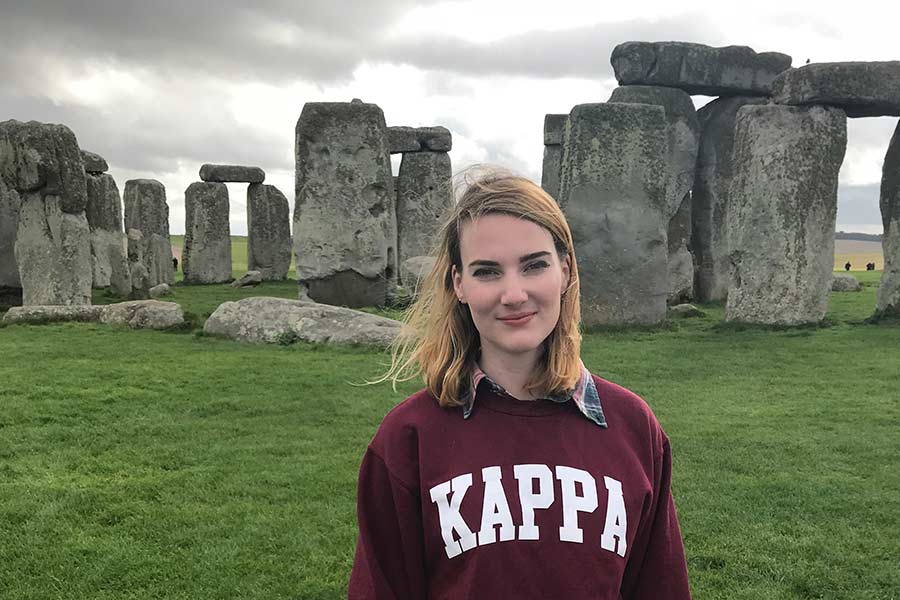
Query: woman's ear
(457, 284)
(567, 273)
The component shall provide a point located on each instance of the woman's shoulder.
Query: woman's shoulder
(415, 413)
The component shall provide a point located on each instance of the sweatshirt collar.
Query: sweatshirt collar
(584, 394)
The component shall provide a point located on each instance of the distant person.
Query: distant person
(566, 476)
(175, 263)
(847, 266)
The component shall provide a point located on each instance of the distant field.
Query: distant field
(238, 255)
(858, 253)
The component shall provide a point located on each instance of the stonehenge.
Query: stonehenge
(613, 192)
(206, 254)
(861, 89)
(146, 210)
(781, 212)
(345, 223)
(46, 248)
(423, 188)
(268, 232)
(889, 292)
(109, 244)
(554, 128)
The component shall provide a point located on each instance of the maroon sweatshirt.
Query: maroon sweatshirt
(523, 499)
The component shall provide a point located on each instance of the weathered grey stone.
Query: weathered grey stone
(698, 69)
(862, 89)
(554, 127)
(680, 262)
(845, 282)
(137, 268)
(248, 279)
(683, 134)
(889, 290)
(109, 244)
(345, 222)
(9, 222)
(94, 163)
(436, 139)
(206, 256)
(268, 232)
(231, 173)
(402, 139)
(147, 211)
(781, 213)
(52, 314)
(685, 311)
(278, 320)
(143, 314)
(423, 198)
(709, 204)
(613, 192)
(158, 291)
(43, 159)
(414, 269)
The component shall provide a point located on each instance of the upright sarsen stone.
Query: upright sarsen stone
(613, 192)
(206, 255)
(109, 245)
(423, 198)
(146, 210)
(9, 222)
(345, 225)
(42, 171)
(709, 199)
(781, 213)
(268, 232)
(554, 127)
(889, 291)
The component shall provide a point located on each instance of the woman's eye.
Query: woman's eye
(484, 272)
(537, 265)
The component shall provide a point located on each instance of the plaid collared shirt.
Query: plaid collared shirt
(584, 394)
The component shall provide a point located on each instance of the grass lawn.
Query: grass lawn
(137, 464)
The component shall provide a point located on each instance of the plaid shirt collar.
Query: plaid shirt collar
(584, 394)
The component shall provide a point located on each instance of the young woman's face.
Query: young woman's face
(512, 280)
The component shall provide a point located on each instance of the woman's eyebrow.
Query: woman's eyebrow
(493, 263)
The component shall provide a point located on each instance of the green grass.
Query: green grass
(138, 464)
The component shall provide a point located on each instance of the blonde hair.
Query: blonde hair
(439, 340)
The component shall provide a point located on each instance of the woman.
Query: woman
(515, 473)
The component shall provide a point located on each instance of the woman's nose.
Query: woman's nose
(514, 292)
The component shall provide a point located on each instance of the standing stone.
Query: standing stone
(889, 291)
(42, 171)
(147, 211)
(109, 244)
(698, 69)
(9, 222)
(268, 232)
(423, 199)
(709, 204)
(140, 277)
(683, 134)
(781, 212)
(554, 127)
(862, 89)
(206, 257)
(345, 221)
(613, 192)
(680, 265)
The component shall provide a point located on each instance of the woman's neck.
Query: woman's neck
(511, 372)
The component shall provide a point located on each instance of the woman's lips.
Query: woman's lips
(517, 319)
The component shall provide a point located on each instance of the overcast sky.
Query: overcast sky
(158, 88)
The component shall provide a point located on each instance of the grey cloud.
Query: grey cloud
(582, 52)
(858, 203)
